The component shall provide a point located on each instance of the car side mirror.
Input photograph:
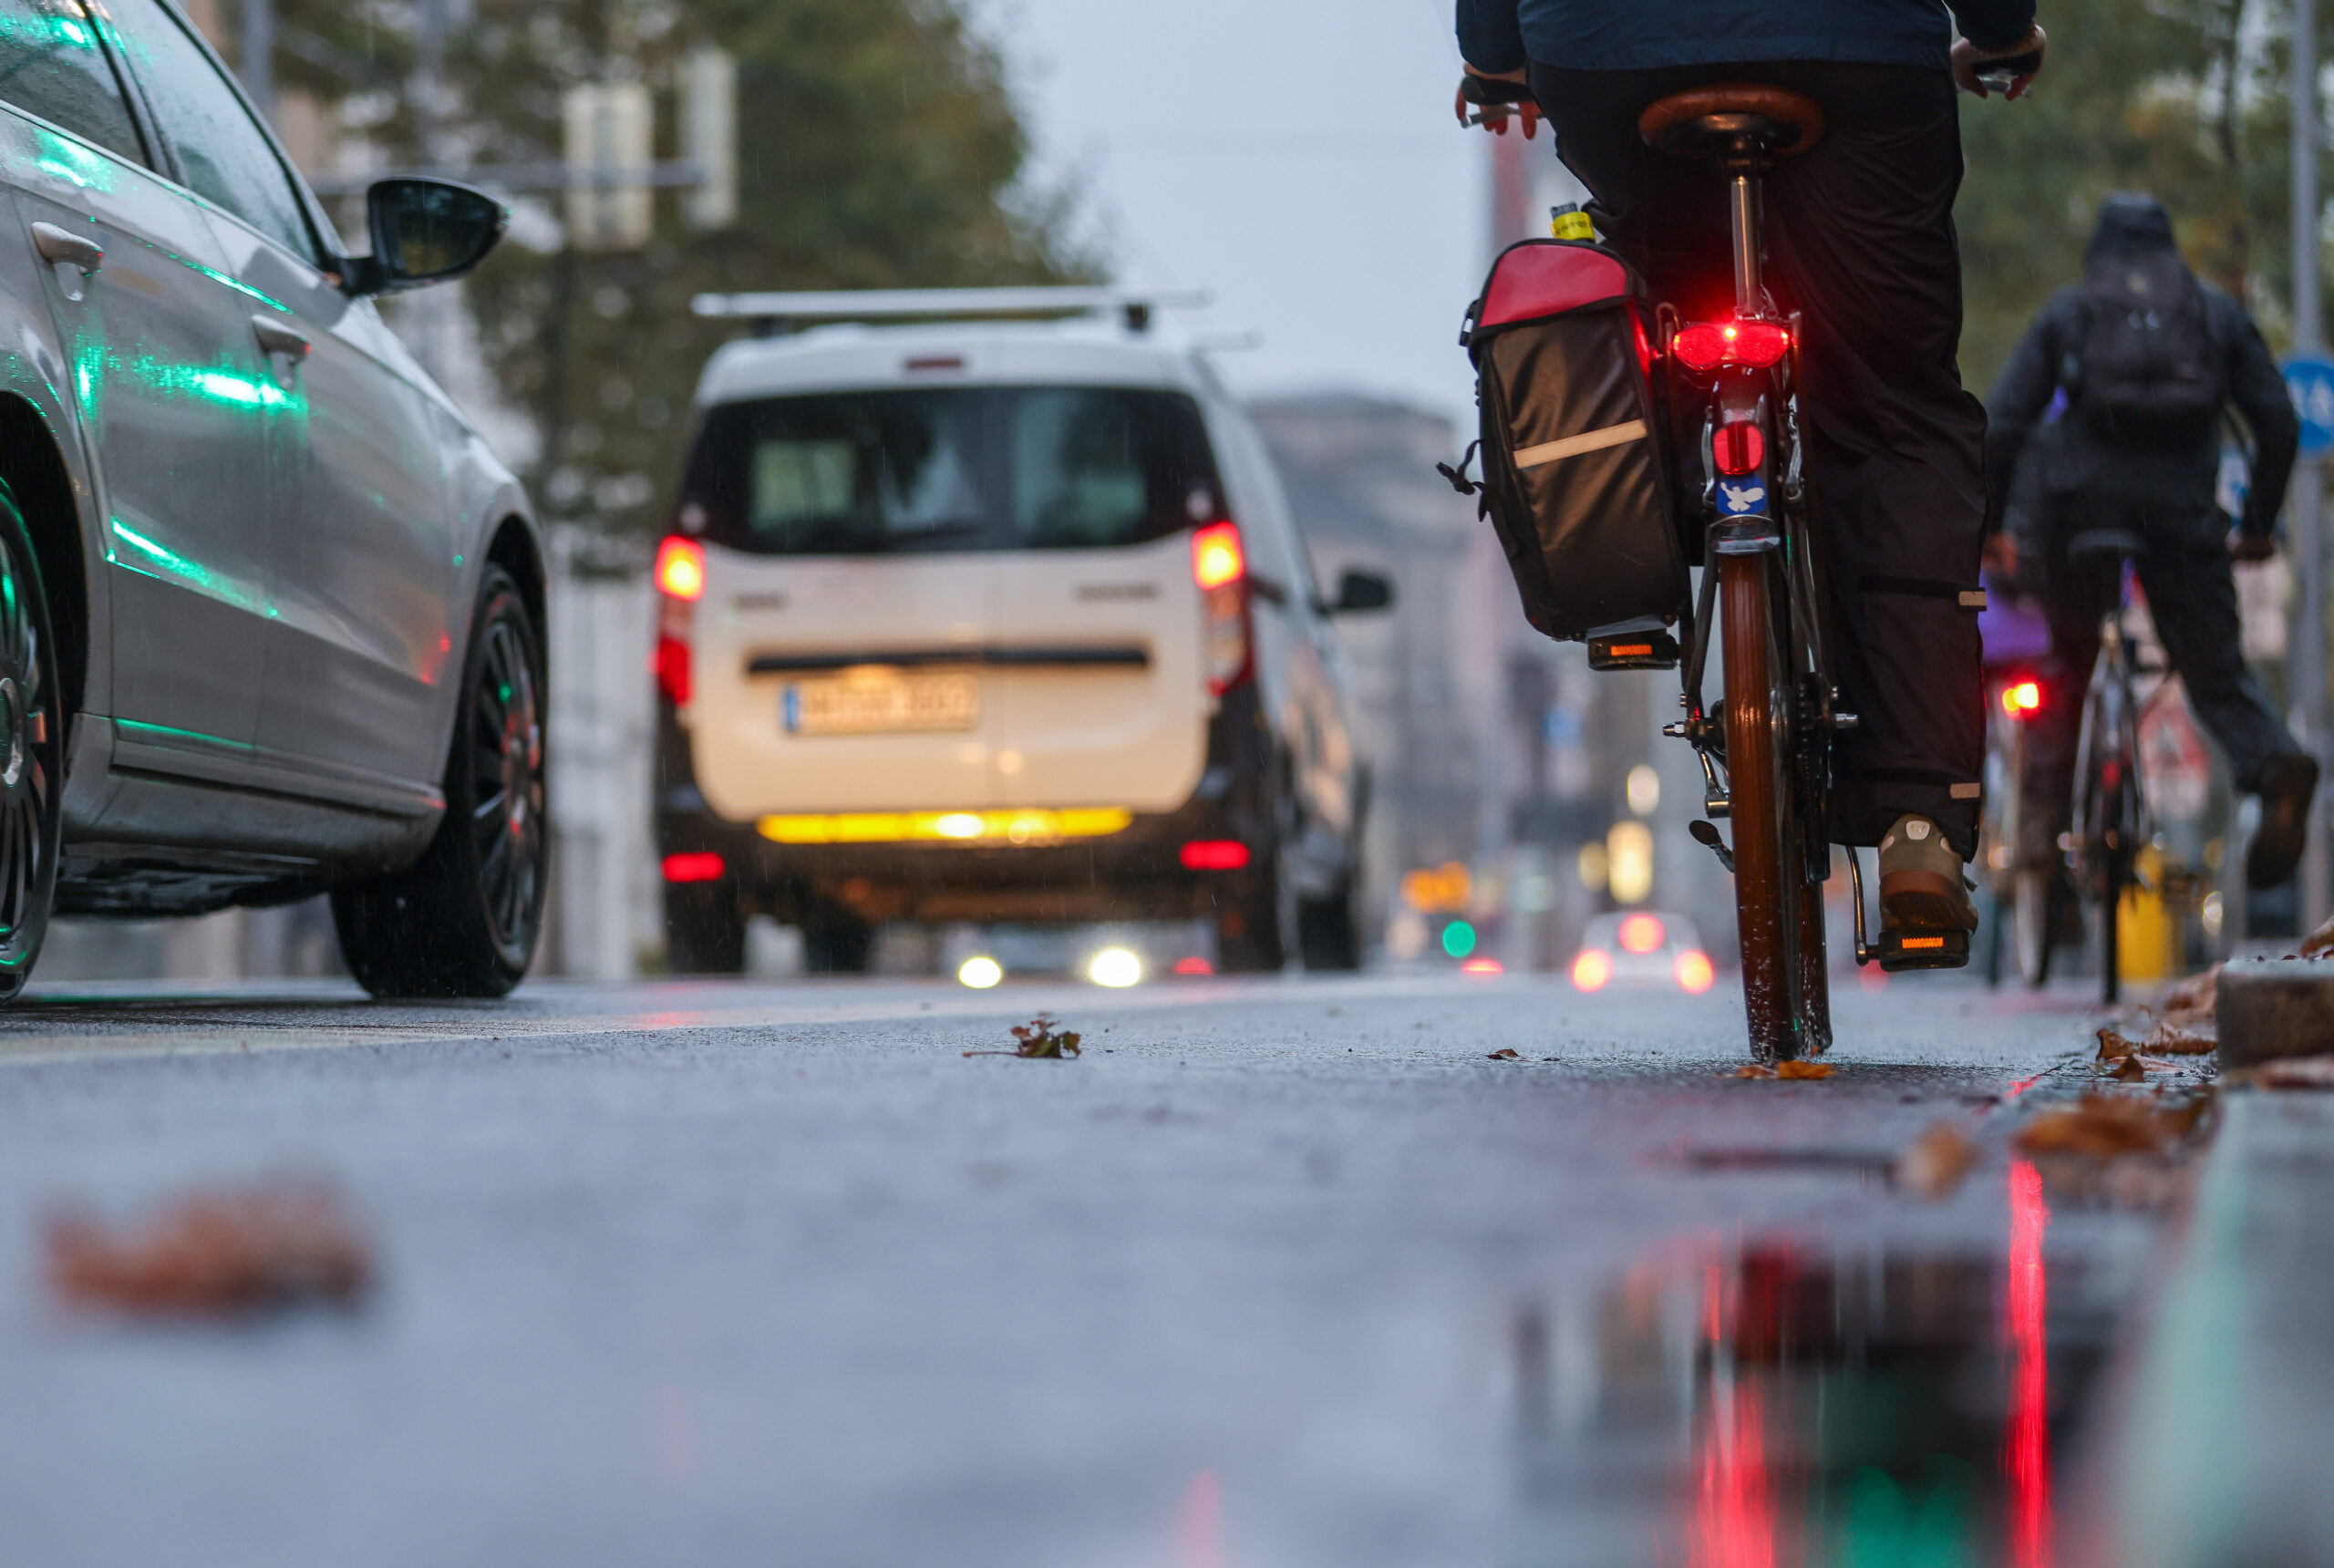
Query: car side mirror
(424, 231)
(1361, 591)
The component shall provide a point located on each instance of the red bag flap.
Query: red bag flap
(1547, 277)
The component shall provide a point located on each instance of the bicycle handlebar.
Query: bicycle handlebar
(1487, 91)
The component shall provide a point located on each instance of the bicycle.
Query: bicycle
(2111, 819)
(1766, 756)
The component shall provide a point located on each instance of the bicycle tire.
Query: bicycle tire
(1769, 870)
(2034, 921)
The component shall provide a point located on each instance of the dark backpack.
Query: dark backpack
(2148, 372)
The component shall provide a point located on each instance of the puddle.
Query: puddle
(1780, 1402)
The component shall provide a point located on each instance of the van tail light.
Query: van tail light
(1215, 855)
(681, 569)
(694, 866)
(1707, 345)
(672, 668)
(1220, 568)
(1739, 448)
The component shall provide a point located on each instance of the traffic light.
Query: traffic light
(608, 155)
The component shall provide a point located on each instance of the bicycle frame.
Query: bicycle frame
(2109, 809)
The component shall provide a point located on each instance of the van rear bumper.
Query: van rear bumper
(1136, 873)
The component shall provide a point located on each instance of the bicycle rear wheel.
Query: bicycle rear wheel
(1774, 904)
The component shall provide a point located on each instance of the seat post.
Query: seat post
(1750, 293)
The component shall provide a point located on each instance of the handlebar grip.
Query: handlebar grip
(1485, 91)
(2009, 68)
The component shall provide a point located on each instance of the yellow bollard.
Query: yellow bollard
(2147, 938)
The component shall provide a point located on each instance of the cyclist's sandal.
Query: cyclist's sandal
(1925, 915)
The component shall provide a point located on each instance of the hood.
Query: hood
(2131, 222)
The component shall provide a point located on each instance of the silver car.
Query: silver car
(271, 611)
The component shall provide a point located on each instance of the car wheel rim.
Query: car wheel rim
(507, 778)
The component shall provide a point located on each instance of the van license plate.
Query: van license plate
(878, 701)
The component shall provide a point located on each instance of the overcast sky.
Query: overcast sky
(1296, 157)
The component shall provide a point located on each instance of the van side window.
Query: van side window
(222, 155)
(52, 65)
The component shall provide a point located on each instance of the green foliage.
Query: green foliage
(879, 147)
(2185, 99)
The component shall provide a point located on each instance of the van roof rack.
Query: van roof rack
(780, 313)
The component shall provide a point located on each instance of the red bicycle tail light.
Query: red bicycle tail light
(2022, 699)
(1701, 346)
(694, 866)
(1757, 343)
(1216, 557)
(681, 569)
(1215, 855)
(1738, 448)
(1707, 345)
(672, 669)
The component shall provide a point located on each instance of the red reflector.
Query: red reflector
(1215, 855)
(1216, 558)
(1740, 448)
(680, 568)
(673, 670)
(694, 866)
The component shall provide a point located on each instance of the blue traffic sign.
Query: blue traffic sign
(2309, 379)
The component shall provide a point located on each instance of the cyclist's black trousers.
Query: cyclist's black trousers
(2191, 598)
(1859, 235)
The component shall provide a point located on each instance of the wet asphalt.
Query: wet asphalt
(1284, 1272)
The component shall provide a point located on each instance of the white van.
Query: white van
(985, 606)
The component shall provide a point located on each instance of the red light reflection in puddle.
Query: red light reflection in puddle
(2026, 1445)
(1199, 1523)
(1734, 1507)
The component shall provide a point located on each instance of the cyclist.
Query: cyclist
(2135, 365)
(1861, 242)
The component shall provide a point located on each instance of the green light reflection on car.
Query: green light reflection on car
(168, 564)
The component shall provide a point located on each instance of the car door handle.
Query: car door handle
(274, 338)
(64, 247)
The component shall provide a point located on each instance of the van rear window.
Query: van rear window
(959, 468)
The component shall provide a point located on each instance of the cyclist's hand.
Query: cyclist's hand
(1969, 60)
(1495, 117)
(2252, 546)
(2002, 557)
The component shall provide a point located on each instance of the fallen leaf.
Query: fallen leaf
(1037, 1039)
(2184, 1035)
(222, 1254)
(2319, 942)
(2125, 1068)
(2296, 1072)
(2197, 994)
(1755, 1071)
(1803, 1071)
(1934, 1164)
(2107, 1126)
(1507, 1056)
(2113, 1046)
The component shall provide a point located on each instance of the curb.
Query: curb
(2272, 1008)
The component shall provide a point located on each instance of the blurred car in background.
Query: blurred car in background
(1642, 948)
(985, 606)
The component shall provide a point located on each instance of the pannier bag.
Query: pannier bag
(1576, 477)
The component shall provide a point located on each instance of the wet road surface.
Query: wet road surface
(1277, 1273)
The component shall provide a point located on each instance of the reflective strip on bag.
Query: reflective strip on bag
(1573, 446)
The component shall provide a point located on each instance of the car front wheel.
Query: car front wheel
(463, 920)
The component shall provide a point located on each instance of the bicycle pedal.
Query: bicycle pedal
(1634, 651)
(1902, 950)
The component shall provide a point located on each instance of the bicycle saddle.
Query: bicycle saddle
(1702, 122)
(2092, 543)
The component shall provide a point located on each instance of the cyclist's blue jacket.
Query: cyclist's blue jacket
(1637, 35)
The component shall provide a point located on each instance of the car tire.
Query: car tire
(463, 920)
(1252, 922)
(704, 930)
(1328, 932)
(31, 753)
(836, 942)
